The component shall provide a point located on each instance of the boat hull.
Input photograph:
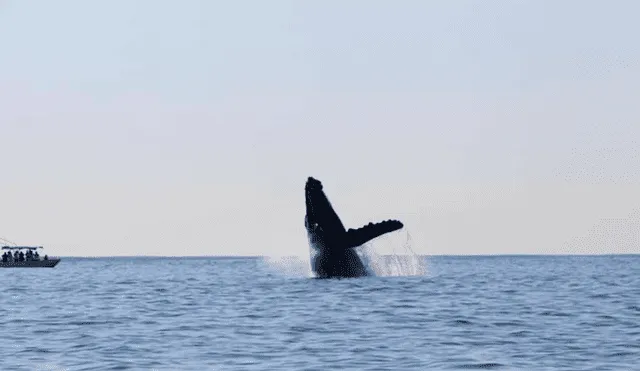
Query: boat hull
(31, 264)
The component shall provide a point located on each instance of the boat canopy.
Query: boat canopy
(21, 247)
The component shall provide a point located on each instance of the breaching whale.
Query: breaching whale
(334, 254)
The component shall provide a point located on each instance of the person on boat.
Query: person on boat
(36, 256)
(16, 256)
(46, 257)
(21, 256)
(4, 257)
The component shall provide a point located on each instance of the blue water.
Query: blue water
(503, 313)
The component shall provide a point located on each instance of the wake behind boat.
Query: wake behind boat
(30, 259)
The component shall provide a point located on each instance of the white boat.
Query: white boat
(31, 259)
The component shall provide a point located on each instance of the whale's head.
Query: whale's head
(320, 218)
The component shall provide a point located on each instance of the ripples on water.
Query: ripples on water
(505, 313)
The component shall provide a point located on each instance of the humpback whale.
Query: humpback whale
(334, 254)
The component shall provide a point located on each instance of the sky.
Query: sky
(190, 128)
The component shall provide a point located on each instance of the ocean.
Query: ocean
(462, 313)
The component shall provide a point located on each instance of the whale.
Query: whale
(333, 248)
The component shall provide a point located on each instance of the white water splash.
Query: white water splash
(290, 266)
(401, 261)
(383, 257)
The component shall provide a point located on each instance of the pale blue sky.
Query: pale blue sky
(189, 128)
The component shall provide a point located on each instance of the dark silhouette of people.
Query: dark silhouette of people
(21, 256)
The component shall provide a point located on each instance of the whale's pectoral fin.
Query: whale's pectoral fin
(360, 236)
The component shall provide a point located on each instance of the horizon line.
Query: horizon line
(289, 256)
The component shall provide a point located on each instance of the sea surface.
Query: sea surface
(464, 313)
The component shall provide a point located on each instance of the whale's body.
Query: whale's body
(334, 254)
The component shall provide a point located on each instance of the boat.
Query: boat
(30, 259)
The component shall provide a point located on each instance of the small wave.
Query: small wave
(512, 323)
(549, 313)
(521, 333)
(462, 322)
(481, 366)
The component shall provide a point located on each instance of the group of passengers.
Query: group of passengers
(20, 256)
